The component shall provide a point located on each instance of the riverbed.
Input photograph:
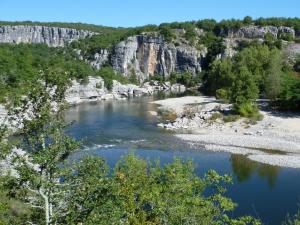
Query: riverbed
(112, 129)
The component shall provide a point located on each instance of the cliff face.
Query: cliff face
(52, 36)
(146, 55)
(143, 55)
(251, 32)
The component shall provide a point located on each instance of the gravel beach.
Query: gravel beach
(275, 140)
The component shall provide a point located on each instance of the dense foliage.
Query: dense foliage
(20, 66)
(256, 71)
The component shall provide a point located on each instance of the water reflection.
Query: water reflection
(243, 168)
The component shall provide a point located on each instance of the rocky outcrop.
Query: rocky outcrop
(146, 55)
(291, 51)
(52, 36)
(92, 90)
(252, 32)
(100, 59)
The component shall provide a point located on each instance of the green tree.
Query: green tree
(244, 89)
(247, 20)
(167, 33)
(138, 192)
(207, 24)
(46, 145)
(272, 82)
(219, 76)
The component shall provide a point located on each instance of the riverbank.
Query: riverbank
(94, 90)
(274, 140)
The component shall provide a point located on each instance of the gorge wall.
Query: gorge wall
(251, 32)
(146, 55)
(143, 55)
(52, 36)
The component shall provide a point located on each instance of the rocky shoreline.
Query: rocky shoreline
(275, 140)
(94, 90)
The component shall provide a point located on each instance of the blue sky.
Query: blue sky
(138, 12)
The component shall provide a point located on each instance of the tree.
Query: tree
(244, 89)
(167, 33)
(138, 192)
(247, 20)
(207, 24)
(41, 113)
(272, 82)
(219, 76)
(190, 34)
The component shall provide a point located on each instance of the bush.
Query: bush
(158, 78)
(297, 64)
(190, 111)
(108, 75)
(185, 78)
(222, 94)
(231, 118)
(215, 116)
(286, 37)
(167, 115)
(167, 33)
(249, 110)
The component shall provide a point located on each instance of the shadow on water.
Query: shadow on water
(243, 168)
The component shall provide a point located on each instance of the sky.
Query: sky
(128, 13)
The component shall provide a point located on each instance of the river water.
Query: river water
(113, 129)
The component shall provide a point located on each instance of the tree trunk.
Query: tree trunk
(47, 207)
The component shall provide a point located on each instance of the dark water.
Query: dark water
(114, 129)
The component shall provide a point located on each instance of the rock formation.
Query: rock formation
(141, 55)
(146, 55)
(52, 36)
(252, 32)
(100, 59)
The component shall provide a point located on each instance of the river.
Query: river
(112, 129)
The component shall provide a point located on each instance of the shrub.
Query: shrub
(297, 64)
(99, 86)
(246, 110)
(231, 118)
(222, 94)
(215, 116)
(166, 32)
(167, 115)
(286, 37)
(190, 111)
(108, 75)
(84, 81)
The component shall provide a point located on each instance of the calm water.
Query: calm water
(114, 129)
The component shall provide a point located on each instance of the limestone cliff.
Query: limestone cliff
(252, 32)
(146, 55)
(52, 36)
